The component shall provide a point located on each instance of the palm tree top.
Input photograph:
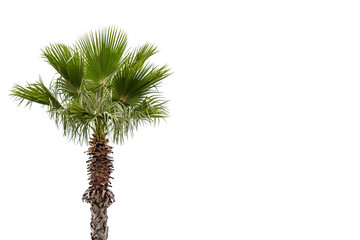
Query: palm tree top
(101, 86)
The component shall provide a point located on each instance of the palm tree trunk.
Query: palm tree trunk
(99, 195)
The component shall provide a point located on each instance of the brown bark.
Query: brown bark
(99, 195)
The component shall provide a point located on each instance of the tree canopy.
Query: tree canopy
(101, 86)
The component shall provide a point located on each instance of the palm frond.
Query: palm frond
(103, 51)
(35, 92)
(76, 122)
(151, 109)
(69, 64)
(123, 119)
(140, 55)
(137, 78)
(67, 113)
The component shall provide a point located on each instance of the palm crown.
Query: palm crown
(101, 86)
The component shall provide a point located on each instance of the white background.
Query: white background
(263, 139)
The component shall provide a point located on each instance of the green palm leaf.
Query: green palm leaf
(69, 64)
(102, 51)
(35, 92)
(137, 77)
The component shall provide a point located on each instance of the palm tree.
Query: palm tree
(103, 90)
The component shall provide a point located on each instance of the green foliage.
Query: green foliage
(69, 64)
(101, 86)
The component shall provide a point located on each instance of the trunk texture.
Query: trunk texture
(99, 195)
